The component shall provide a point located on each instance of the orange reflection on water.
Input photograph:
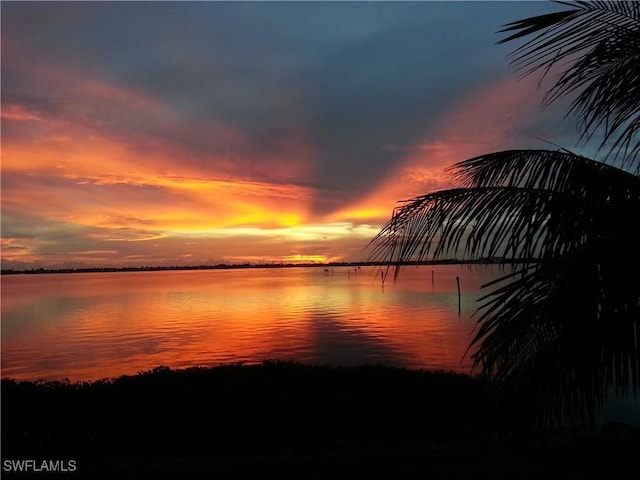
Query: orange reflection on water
(90, 326)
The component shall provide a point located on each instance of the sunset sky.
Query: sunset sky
(168, 133)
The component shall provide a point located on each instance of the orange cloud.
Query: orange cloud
(18, 112)
(77, 167)
(485, 120)
(87, 168)
(119, 168)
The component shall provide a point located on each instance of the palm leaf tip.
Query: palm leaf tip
(532, 25)
(596, 48)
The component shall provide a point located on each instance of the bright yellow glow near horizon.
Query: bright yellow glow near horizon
(299, 258)
(74, 191)
(328, 231)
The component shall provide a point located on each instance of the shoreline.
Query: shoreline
(224, 266)
(202, 369)
(292, 419)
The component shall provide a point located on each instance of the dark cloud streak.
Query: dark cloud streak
(356, 75)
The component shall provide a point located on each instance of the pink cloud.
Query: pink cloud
(489, 118)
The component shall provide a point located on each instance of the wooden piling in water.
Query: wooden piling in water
(458, 282)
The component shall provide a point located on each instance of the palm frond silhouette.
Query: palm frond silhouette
(598, 44)
(562, 331)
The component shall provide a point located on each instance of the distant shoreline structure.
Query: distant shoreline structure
(227, 266)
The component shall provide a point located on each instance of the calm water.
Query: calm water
(87, 326)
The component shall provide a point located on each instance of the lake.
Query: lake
(87, 326)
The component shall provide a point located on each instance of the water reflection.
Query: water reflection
(96, 325)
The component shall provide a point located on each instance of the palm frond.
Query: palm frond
(554, 170)
(597, 46)
(562, 34)
(517, 205)
(563, 330)
(459, 222)
(563, 334)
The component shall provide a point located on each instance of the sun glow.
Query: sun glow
(300, 258)
(77, 190)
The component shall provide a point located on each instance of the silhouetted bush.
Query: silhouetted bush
(287, 420)
(271, 408)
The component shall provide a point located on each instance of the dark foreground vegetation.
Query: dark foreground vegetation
(288, 420)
